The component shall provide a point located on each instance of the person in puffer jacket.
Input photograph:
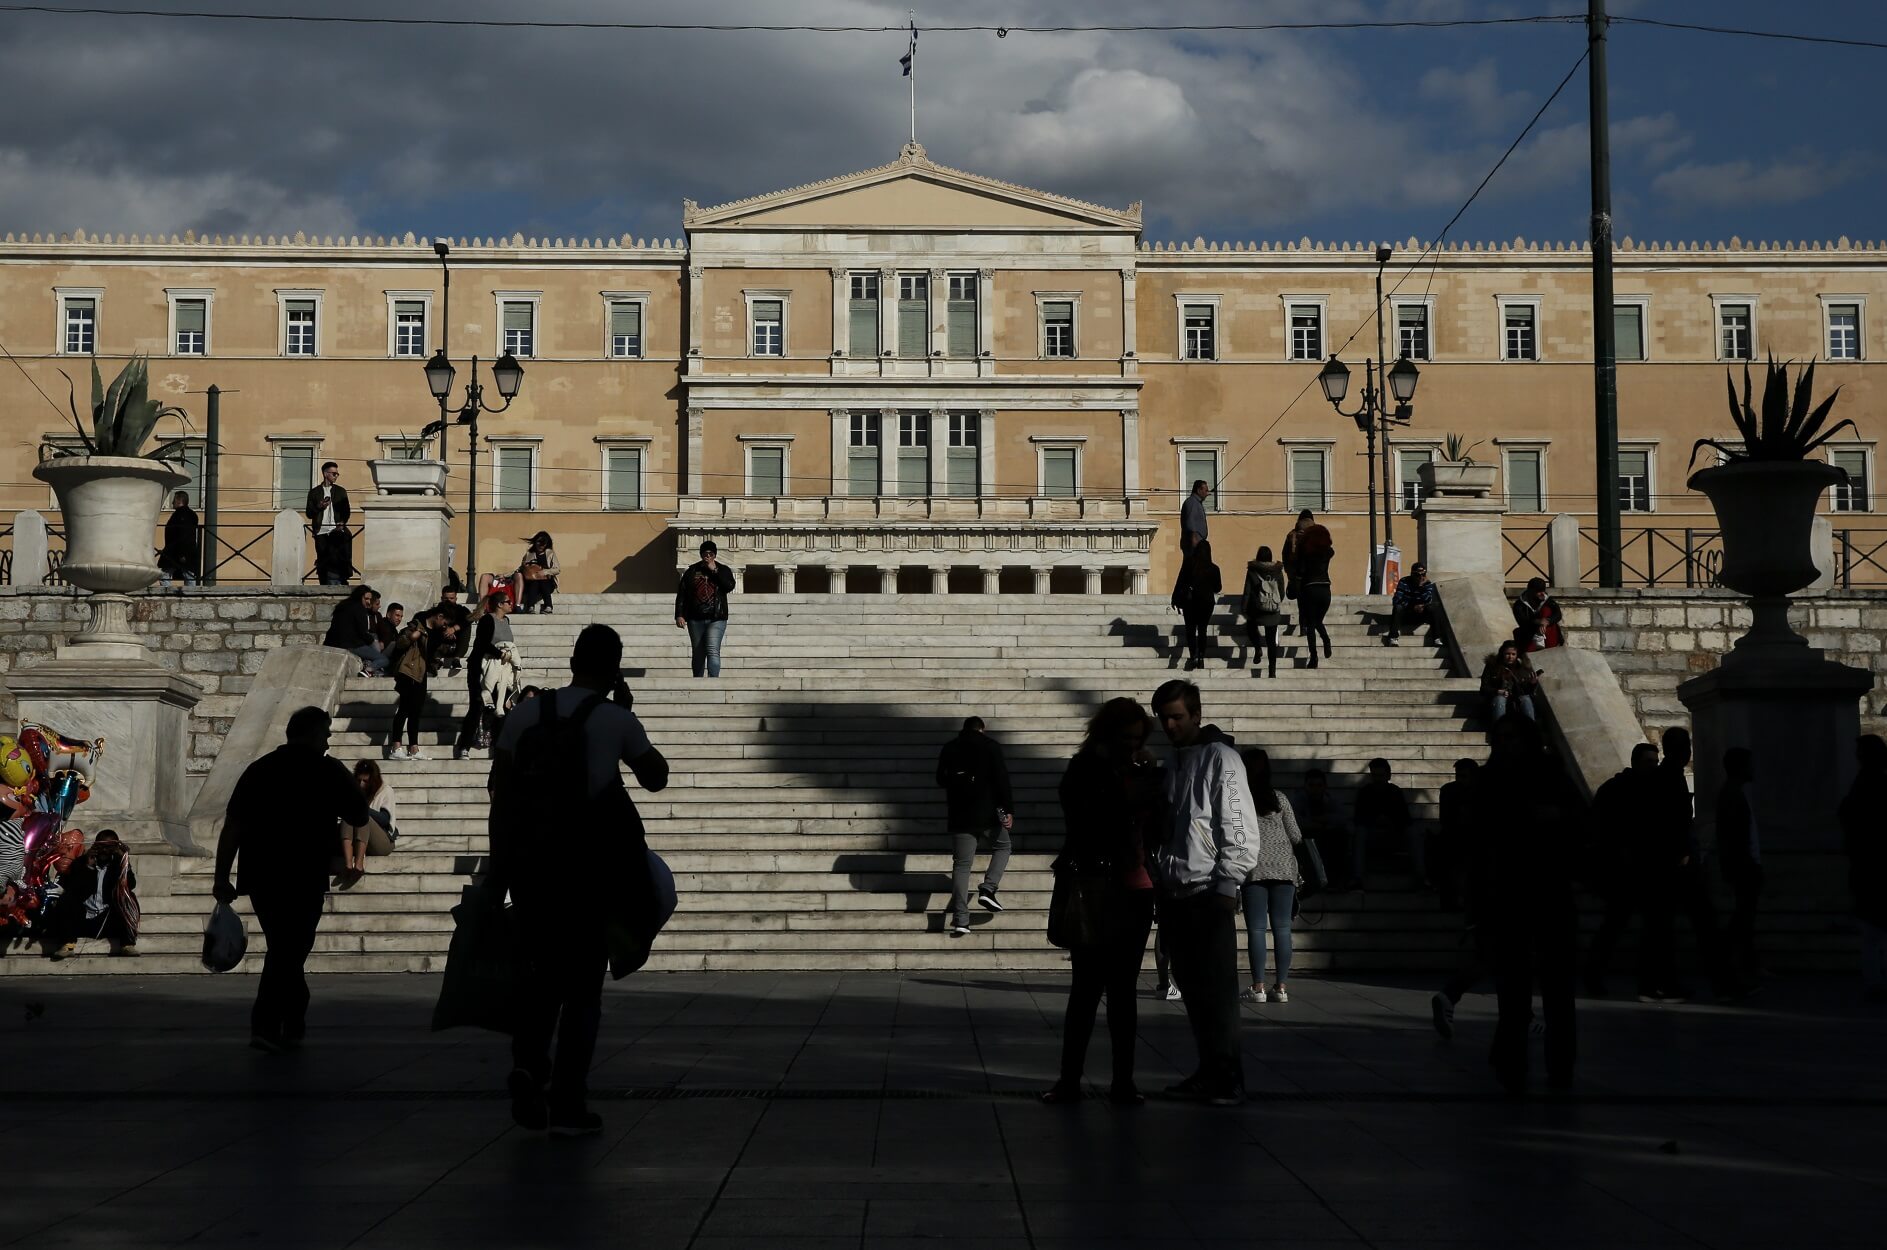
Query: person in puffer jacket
(1208, 848)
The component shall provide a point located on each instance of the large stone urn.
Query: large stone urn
(1766, 513)
(109, 505)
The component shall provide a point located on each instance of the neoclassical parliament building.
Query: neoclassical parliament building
(922, 379)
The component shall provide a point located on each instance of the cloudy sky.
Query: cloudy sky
(127, 123)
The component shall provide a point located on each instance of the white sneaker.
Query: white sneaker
(416, 754)
(1172, 994)
(1253, 994)
(956, 928)
(1279, 994)
(397, 753)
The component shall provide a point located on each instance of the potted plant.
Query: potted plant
(1456, 473)
(110, 493)
(412, 473)
(1765, 493)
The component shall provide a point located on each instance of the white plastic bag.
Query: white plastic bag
(664, 890)
(224, 942)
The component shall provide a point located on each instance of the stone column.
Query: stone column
(1091, 579)
(992, 579)
(1129, 323)
(789, 578)
(1562, 552)
(887, 579)
(1041, 580)
(841, 448)
(404, 547)
(986, 452)
(939, 579)
(697, 448)
(1137, 581)
(939, 312)
(887, 312)
(1458, 524)
(985, 313)
(1130, 452)
(835, 579)
(288, 550)
(841, 302)
(693, 352)
(29, 548)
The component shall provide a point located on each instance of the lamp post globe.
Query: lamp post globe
(439, 375)
(1403, 376)
(1334, 377)
(508, 375)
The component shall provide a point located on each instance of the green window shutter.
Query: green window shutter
(862, 467)
(961, 471)
(768, 469)
(517, 316)
(1633, 463)
(1523, 482)
(1203, 464)
(1058, 472)
(294, 474)
(622, 479)
(914, 471)
(301, 306)
(1628, 331)
(514, 479)
(1307, 480)
(191, 315)
(961, 320)
(914, 328)
(864, 328)
(625, 319)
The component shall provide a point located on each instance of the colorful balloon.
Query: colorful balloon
(16, 767)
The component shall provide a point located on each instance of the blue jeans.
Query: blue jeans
(704, 639)
(1268, 901)
(1500, 703)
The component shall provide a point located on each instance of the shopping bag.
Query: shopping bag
(224, 942)
(1077, 910)
(645, 908)
(486, 965)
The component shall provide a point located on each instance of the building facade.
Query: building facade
(921, 379)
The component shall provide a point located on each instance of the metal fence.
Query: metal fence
(1690, 557)
(244, 553)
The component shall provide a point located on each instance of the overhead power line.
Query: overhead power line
(1785, 35)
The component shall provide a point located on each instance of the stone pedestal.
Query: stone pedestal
(142, 712)
(1458, 524)
(29, 548)
(289, 558)
(1798, 715)
(1562, 552)
(404, 555)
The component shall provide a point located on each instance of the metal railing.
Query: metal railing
(1654, 556)
(55, 556)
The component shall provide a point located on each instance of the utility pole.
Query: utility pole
(1379, 566)
(212, 457)
(1604, 345)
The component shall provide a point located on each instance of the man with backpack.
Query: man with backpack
(701, 608)
(975, 782)
(568, 844)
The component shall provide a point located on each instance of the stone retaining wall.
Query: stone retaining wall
(1657, 639)
(218, 637)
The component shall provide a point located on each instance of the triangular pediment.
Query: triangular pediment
(912, 194)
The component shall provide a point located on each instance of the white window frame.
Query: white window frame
(606, 443)
(536, 300)
(1643, 303)
(1828, 304)
(1717, 304)
(394, 300)
(1866, 452)
(1216, 446)
(1650, 448)
(298, 498)
(173, 295)
(1323, 447)
(1045, 443)
(1322, 305)
(282, 297)
(610, 300)
(1537, 303)
(61, 295)
(784, 297)
(930, 310)
(1218, 328)
(970, 419)
(853, 415)
(749, 443)
(1427, 304)
(1396, 448)
(951, 278)
(1073, 300)
(1507, 449)
(532, 443)
(389, 446)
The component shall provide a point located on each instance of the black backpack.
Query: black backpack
(543, 783)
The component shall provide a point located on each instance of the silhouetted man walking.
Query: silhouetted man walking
(975, 782)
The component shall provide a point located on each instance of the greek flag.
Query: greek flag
(909, 59)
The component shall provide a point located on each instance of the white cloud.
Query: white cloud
(1743, 183)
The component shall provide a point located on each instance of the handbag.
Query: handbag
(487, 968)
(1077, 910)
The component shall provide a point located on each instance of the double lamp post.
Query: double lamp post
(506, 374)
(1381, 383)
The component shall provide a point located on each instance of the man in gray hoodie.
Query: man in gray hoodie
(1207, 849)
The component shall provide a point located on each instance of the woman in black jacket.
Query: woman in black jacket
(1196, 594)
(1110, 799)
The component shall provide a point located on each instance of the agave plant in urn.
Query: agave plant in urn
(109, 495)
(1765, 493)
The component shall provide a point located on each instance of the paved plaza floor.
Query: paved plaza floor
(807, 1111)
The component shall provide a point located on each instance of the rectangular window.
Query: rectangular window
(913, 453)
(769, 327)
(1201, 464)
(960, 316)
(766, 471)
(513, 490)
(1307, 332)
(520, 327)
(1059, 476)
(1851, 495)
(81, 329)
(294, 474)
(1307, 479)
(395, 447)
(625, 329)
(1736, 331)
(1058, 328)
(861, 456)
(622, 479)
(1409, 462)
(1634, 481)
(1844, 331)
(1199, 337)
(189, 457)
(301, 328)
(1628, 331)
(1412, 330)
(193, 327)
(409, 327)
(864, 314)
(1525, 486)
(914, 315)
(1522, 337)
(962, 455)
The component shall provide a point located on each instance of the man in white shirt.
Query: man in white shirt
(328, 512)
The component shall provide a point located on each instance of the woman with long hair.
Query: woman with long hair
(1263, 606)
(1308, 550)
(538, 573)
(1195, 594)
(492, 632)
(376, 836)
(1270, 893)
(1110, 799)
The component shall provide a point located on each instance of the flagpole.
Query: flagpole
(912, 13)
